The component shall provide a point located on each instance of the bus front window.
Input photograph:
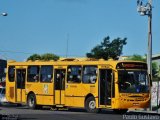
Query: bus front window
(133, 81)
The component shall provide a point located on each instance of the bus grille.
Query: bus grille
(134, 100)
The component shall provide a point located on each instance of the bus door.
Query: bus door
(59, 85)
(105, 85)
(20, 85)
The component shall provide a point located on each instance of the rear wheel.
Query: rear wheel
(31, 101)
(90, 105)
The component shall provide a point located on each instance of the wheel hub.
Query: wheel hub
(92, 104)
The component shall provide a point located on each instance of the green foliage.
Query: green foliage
(45, 57)
(108, 49)
(158, 74)
(49, 56)
(154, 69)
(137, 57)
(34, 57)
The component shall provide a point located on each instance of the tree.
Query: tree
(137, 57)
(158, 73)
(154, 69)
(34, 57)
(49, 56)
(108, 49)
(45, 57)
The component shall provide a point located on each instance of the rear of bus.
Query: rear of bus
(132, 85)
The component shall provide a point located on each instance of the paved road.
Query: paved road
(12, 112)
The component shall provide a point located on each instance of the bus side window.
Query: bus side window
(46, 73)
(89, 74)
(74, 74)
(33, 74)
(11, 73)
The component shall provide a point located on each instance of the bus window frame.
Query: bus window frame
(68, 74)
(35, 75)
(97, 74)
(40, 79)
(13, 74)
(113, 84)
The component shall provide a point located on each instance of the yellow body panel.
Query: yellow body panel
(43, 91)
(57, 97)
(10, 93)
(62, 97)
(20, 95)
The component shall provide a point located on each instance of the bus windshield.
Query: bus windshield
(133, 81)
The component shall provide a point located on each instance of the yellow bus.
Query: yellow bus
(81, 83)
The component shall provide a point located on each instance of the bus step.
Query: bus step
(59, 106)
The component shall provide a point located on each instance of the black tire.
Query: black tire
(120, 111)
(31, 101)
(90, 105)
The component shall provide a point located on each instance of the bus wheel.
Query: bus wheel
(90, 105)
(31, 101)
(120, 111)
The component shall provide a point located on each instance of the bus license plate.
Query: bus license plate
(135, 104)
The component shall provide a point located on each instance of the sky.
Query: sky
(73, 27)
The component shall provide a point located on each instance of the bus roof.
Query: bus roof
(72, 61)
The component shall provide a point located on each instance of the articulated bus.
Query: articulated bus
(80, 83)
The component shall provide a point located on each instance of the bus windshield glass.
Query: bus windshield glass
(133, 81)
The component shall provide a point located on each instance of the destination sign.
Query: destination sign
(131, 65)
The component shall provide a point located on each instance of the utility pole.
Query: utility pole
(149, 57)
(146, 9)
